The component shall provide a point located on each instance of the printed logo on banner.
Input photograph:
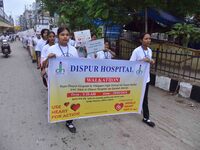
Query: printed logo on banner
(139, 71)
(60, 69)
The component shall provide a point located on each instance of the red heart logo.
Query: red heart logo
(118, 106)
(66, 104)
(75, 107)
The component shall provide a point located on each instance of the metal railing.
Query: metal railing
(171, 60)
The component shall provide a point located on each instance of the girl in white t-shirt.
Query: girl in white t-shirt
(40, 44)
(50, 42)
(63, 49)
(144, 53)
(107, 53)
(44, 55)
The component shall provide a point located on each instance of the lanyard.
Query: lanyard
(63, 52)
(106, 56)
(146, 55)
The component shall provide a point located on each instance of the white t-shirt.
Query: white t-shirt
(63, 51)
(35, 41)
(44, 53)
(40, 44)
(4, 37)
(104, 55)
(91, 55)
(138, 54)
(30, 42)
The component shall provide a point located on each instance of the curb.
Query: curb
(184, 89)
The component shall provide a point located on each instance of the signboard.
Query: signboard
(82, 36)
(95, 46)
(55, 30)
(82, 88)
(40, 27)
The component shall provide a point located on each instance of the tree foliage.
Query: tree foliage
(80, 13)
(186, 33)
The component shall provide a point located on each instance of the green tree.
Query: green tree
(79, 13)
(185, 33)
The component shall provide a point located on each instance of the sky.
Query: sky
(15, 8)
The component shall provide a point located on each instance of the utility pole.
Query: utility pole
(42, 13)
(146, 20)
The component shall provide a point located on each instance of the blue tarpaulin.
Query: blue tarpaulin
(161, 16)
(111, 31)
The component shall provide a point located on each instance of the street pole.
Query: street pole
(42, 15)
(146, 20)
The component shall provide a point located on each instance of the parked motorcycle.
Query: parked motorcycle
(5, 47)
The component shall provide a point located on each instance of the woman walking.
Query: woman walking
(63, 49)
(144, 53)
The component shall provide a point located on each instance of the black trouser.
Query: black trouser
(38, 53)
(44, 81)
(145, 106)
(69, 121)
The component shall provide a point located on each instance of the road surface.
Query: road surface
(24, 126)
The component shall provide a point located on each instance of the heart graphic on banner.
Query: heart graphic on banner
(66, 104)
(119, 106)
(75, 107)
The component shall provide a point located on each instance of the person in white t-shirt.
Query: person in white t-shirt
(44, 55)
(4, 37)
(36, 39)
(50, 42)
(107, 53)
(41, 43)
(144, 53)
(63, 49)
(30, 44)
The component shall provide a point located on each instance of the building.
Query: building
(34, 15)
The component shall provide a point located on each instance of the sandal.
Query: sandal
(71, 127)
(149, 122)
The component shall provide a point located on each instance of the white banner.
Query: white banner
(82, 88)
(82, 36)
(95, 46)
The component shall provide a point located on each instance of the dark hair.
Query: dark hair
(142, 35)
(107, 41)
(43, 30)
(93, 34)
(50, 32)
(61, 29)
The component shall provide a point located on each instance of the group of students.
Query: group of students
(47, 48)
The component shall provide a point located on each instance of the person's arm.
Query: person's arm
(45, 62)
(152, 62)
(112, 53)
(51, 55)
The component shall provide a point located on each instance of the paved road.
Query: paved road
(24, 126)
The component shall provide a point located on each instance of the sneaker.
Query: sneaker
(71, 127)
(149, 122)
